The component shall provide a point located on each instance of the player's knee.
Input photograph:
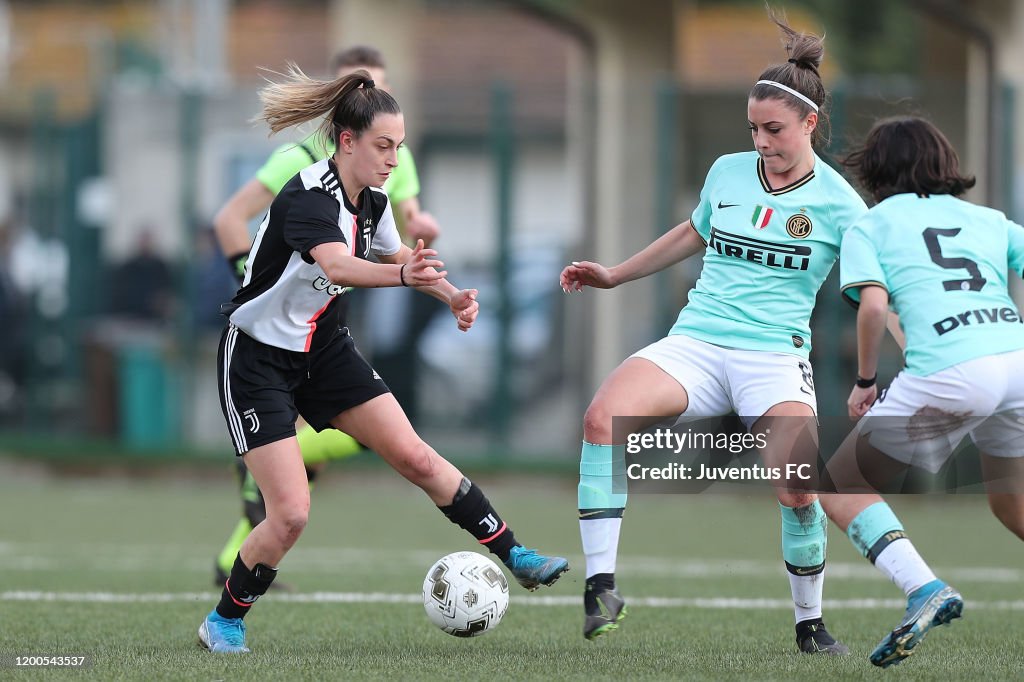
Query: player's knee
(292, 525)
(290, 520)
(597, 422)
(418, 462)
(795, 499)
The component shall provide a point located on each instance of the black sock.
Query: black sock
(243, 588)
(597, 583)
(812, 626)
(472, 512)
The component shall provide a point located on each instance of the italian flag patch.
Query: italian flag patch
(762, 214)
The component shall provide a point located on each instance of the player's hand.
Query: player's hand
(584, 273)
(465, 308)
(861, 400)
(422, 270)
(423, 226)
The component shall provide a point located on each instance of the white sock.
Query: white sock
(600, 544)
(901, 564)
(806, 591)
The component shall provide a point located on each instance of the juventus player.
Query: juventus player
(231, 223)
(283, 353)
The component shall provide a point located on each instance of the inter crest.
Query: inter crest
(798, 226)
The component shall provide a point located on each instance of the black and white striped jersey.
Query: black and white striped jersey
(286, 299)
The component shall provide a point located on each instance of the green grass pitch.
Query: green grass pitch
(120, 570)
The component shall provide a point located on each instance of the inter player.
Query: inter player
(942, 263)
(769, 223)
(231, 224)
(283, 353)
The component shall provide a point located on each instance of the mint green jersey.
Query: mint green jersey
(944, 262)
(288, 159)
(768, 252)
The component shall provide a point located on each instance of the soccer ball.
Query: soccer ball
(465, 594)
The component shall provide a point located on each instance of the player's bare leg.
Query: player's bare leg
(640, 390)
(381, 424)
(1004, 482)
(279, 472)
(791, 437)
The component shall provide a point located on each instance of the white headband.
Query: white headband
(791, 91)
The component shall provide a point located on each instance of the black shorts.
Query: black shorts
(263, 388)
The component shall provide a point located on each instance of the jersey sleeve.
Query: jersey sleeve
(1016, 247)
(312, 220)
(848, 209)
(386, 240)
(287, 160)
(859, 265)
(701, 216)
(404, 182)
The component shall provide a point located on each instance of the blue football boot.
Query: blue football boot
(928, 606)
(223, 635)
(532, 570)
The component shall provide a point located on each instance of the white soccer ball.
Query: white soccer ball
(465, 594)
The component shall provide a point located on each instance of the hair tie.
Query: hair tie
(368, 83)
(792, 61)
(786, 88)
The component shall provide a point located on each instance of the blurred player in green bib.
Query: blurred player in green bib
(231, 224)
(942, 263)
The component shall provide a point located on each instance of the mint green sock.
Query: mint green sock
(597, 480)
(803, 537)
(873, 529)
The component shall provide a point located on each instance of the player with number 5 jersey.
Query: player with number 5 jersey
(943, 264)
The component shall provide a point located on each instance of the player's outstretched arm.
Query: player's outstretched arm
(676, 245)
(419, 269)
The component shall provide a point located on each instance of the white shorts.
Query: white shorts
(921, 420)
(720, 380)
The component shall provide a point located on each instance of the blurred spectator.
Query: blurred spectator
(13, 320)
(215, 282)
(142, 287)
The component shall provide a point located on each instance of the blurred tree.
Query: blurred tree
(865, 37)
(870, 36)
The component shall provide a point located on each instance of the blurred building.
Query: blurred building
(543, 131)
